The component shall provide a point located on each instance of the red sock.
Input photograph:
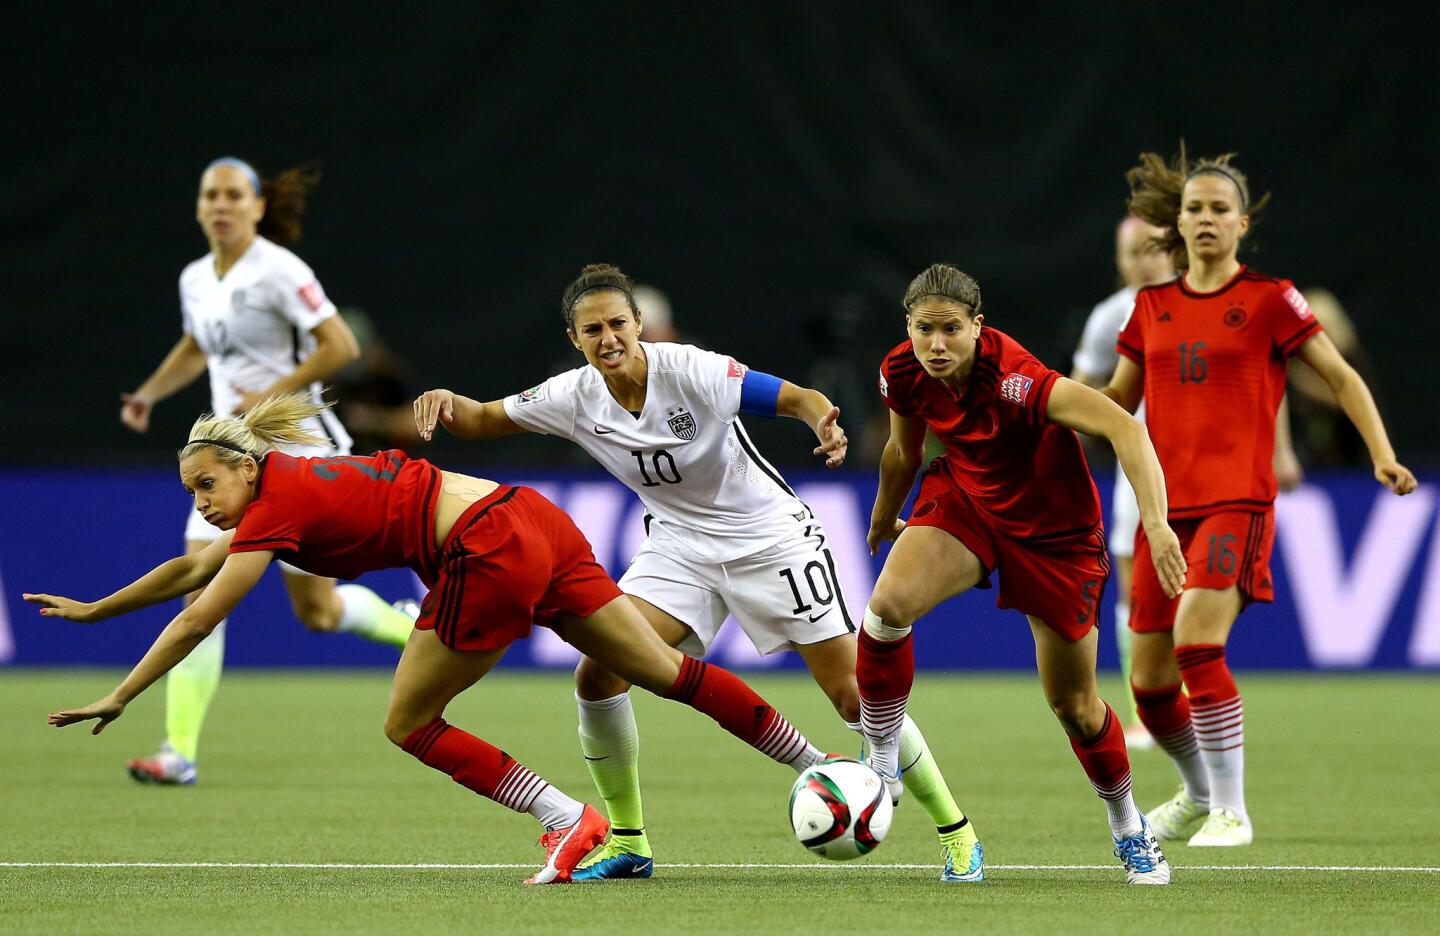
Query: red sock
(1219, 715)
(476, 764)
(1105, 760)
(738, 709)
(1165, 713)
(1206, 674)
(885, 671)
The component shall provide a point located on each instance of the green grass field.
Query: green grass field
(294, 769)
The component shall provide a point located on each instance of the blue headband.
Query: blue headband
(243, 166)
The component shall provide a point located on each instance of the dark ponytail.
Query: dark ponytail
(285, 194)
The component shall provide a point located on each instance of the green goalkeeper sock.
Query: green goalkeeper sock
(923, 780)
(365, 614)
(610, 741)
(189, 687)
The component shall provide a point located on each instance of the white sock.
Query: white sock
(554, 809)
(1124, 817)
(1220, 729)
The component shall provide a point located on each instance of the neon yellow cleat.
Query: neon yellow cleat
(1223, 829)
(1170, 819)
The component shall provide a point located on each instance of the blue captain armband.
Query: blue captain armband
(760, 394)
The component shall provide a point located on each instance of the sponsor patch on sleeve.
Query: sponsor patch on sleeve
(1016, 388)
(737, 369)
(312, 295)
(884, 385)
(533, 395)
(1298, 303)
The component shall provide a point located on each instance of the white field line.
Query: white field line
(814, 866)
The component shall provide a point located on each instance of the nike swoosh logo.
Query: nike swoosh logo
(640, 868)
(601, 430)
(816, 617)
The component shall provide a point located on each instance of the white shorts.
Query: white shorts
(1124, 517)
(785, 594)
(200, 530)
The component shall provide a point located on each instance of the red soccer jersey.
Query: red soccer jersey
(340, 517)
(1025, 474)
(1214, 374)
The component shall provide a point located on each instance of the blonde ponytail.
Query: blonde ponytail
(274, 420)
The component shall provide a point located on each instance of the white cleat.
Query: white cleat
(1171, 818)
(1223, 829)
(1141, 855)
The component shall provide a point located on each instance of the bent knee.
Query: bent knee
(594, 682)
(893, 609)
(1077, 711)
(318, 616)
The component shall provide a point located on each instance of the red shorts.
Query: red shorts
(1221, 550)
(512, 560)
(1058, 578)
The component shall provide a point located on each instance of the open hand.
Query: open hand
(106, 710)
(68, 608)
(1168, 559)
(431, 407)
(833, 443)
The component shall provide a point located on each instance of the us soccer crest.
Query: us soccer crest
(681, 423)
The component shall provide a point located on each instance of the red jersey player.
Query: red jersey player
(1011, 495)
(497, 559)
(1208, 353)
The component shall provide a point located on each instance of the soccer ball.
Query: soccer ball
(840, 809)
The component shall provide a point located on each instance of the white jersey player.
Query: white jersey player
(726, 534)
(1140, 262)
(256, 318)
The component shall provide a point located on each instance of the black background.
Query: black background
(764, 163)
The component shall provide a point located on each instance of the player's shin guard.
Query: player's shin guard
(610, 741)
(1107, 764)
(480, 766)
(885, 671)
(189, 688)
(923, 779)
(1219, 718)
(739, 710)
(1165, 712)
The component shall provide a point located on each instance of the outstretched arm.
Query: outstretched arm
(1320, 354)
(1089, 411)
(903, 453)
(179, 576)
(815, 410)
(237, 576)
(464, 417)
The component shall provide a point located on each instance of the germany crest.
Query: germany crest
(681, 423)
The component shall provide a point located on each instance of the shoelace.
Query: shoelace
(1135, 852)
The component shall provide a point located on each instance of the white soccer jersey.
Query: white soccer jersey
(1096, 354)
(255, 324)
(709, 494)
